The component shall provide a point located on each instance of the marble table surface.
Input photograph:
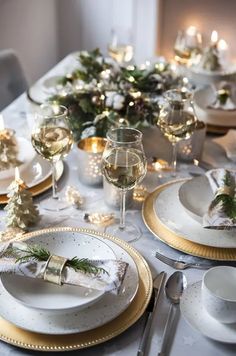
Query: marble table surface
(185, 340)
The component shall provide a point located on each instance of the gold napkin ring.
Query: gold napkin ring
(54, 268)
(224, 190)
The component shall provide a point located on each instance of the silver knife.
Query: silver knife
(157, 287)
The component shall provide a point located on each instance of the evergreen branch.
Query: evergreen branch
(227, 201)
(37, 253)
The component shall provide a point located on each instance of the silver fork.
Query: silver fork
(180, 264)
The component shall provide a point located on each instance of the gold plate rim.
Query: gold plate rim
(164, 234)
(38, 188)
(218, 129)
(42, 342)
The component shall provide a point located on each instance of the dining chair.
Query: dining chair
(12, 78)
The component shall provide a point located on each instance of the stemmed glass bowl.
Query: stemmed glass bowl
(124, 166)
(52, 139)
(177, 119)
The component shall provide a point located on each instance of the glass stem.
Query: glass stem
(54, 182)
(122, 210)
(174, 158)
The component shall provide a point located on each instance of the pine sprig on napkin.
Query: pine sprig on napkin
(227, 201)
(38, 253)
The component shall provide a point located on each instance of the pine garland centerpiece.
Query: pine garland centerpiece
(100, 93)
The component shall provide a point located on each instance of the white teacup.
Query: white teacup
(219, 293)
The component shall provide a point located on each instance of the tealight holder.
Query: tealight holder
(192, 148)
(112, 195)
(90, 152)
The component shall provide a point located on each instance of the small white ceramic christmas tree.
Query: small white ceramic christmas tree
(21, 211)
(8, 148)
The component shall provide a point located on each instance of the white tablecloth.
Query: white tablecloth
(186, 341)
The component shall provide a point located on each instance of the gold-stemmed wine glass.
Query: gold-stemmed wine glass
(52, 139)
(177, 119)
(124, 166)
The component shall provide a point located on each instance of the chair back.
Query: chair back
(12, 77)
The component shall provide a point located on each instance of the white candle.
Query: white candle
(2, 126)
(17, 174)
(222, 47)
(214, 38)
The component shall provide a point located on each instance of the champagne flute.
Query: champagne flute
(124, 166)
(52, 139)
(177, 120)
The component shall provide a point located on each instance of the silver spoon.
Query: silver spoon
(174, 288)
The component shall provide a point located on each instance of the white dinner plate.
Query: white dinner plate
(49, 297)
(51, 84)
(26, 154)
(172, 215)
(196, 315)
(37, 171)
(105, 309)
(196, 195)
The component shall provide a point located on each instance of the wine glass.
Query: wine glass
(120, 47)
(188, 43)
(124, 166)
(52, 139)
(177, 120)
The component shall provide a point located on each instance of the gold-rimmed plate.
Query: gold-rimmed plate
(38, 178)
(171, 238)
(34, 341)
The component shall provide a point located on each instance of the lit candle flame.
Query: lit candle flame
(222, 45)
(17, 174)
(94, 147)
(214, 37)
(2, 127)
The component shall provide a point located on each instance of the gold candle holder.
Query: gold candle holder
(90, 152)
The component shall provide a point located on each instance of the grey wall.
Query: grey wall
(44, 31)
(31, 28)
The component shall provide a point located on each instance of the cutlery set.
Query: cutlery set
(174, 288)
(173, 291)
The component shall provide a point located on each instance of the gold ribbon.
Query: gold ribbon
(226, 190)
(54, 268)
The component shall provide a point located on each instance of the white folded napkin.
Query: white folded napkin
(109, 278)
(221, 213)
(228, 143)
(228, 106)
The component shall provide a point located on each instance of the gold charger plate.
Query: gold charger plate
(220, 130)
(34, 341)
(163, 233)
(41, 187)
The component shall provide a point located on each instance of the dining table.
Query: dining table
(184, 340)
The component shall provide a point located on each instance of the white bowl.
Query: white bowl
(43, 296)
(195, 196)
(219, 293)
(204, 97)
